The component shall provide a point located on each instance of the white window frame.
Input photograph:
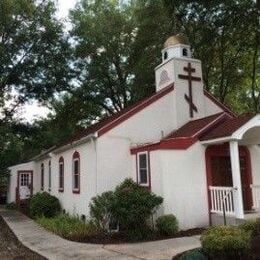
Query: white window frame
(73, 174)
(147, 168)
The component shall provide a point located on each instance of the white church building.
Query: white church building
(181, 143)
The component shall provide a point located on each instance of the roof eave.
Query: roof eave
(218, 140)
(76, 143)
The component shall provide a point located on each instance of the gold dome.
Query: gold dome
(176, 39)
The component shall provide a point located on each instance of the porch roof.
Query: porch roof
(227, 127)
(197, 127)
(244, 129)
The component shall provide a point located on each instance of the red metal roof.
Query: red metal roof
(227, 128)
(196, 127)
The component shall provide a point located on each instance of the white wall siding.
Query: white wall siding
(210, 107)
(148, 124)
(114, 162)
(184, 188)
(255, 163)
(75, 204)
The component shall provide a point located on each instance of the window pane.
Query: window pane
(76, 167)
(76, 181)
(42, 176)
(142, 160)
(143, 176)
(61, 176)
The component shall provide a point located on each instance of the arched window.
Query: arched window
(61, 174)
(184, 52)
(50, 175)
(165, 56)
(42, 176)
(76, 173)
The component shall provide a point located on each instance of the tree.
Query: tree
(221, 33)
(33, 53)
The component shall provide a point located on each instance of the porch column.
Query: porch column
(236, 177)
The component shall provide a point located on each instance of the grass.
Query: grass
(69, 227)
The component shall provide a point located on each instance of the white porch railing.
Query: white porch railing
(256, 196)
(222, 197)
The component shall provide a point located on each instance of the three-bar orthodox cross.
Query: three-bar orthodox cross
(190, 78)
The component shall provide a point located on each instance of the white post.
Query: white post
(236, 177)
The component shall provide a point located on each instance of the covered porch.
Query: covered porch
(231, 149)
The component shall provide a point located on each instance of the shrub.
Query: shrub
(130, 204)
(133, 204)
(100, 209)
(44, 204)
(252, 226)
(248, 226)
(225, 241)
(195, 254)
(68, 227)
(257, 227)
(167, 225)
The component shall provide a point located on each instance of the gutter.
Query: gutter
(218, 140)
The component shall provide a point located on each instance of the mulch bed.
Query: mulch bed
(11, 248)
(120, 237)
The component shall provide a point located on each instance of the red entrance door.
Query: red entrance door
(219, 170)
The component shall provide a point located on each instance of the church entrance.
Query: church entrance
(24, 186)
(219, 173)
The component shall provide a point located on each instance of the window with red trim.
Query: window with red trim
(42, 176)
(76, 173)
(50, 175)
(61, 174)
(143, 169)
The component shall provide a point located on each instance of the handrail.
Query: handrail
(222, 201)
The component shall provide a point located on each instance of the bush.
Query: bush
(248, 226)
(100, 209)
(195, 254)
(257, 227)
(44, 204)
(68, 227)
(132, 205)
(225, 241)
(167, 225)
(252, 226)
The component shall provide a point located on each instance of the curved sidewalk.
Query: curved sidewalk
(54, 247)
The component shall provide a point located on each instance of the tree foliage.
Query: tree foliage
(107, 61)
(33, 53)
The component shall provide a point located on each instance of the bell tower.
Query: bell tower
(179, 68)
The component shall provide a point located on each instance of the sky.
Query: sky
(34, 110)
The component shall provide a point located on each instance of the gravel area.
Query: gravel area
(11, 248)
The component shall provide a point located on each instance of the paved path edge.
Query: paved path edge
(112, 251)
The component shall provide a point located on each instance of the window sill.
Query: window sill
(61, 190)
(145, 186)
(76, 191)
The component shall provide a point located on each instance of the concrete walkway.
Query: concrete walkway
(54, 247)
